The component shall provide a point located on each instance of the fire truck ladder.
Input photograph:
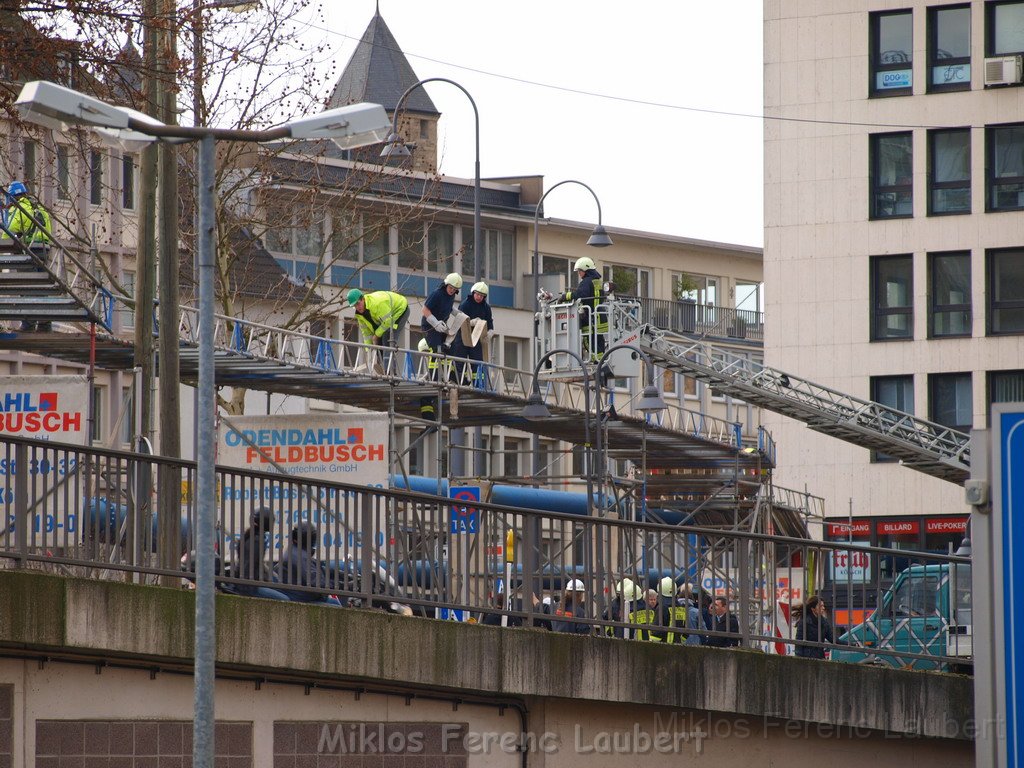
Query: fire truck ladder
(923, 445)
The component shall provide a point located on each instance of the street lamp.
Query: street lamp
(57, 107)
(395, 147)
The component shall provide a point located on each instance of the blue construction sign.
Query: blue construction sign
(465, 516)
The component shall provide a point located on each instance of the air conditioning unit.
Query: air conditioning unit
(1003, 70)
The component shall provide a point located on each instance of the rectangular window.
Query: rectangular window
(127, 313)
(95, 177)
(1005, 280)
(1004, 28)
(469, 251)
(309, 234)
(892, 298)
(128, 181)
(63, 173)
(892, 48)
(499, 254)
(512, 358)
(30, 166)
(279, 236)
(949, 400)
(949, 171)
(892, 176)
(668, 383)
(949, 282)
(345, 236)
(629, 281)
(511, 458)
(410, 246)
(98, 394)
(896, 392)
(376, 241)
(441, 248)
(949, 48)
(1004, 164)
(1005, 387)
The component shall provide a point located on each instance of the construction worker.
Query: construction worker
(479, 325)
(589, 294)
(381, 315)
(436, 312)
(26, 220)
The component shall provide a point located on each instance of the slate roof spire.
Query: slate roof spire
(378, 72)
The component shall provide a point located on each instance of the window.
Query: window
(949, 400)
(668, 383)
(698, 288)
(376, 241)
(127, 313)
(892, 169)
(555, 272)
(750, 296)
(30, 166)
(896, 392)
(501, 254)
(96, 433)
(469, 252)
(513, 358)
(424, 129)
(1004, 165)
(511, 458)
(1005, 291)
(301, 232)
(892, 297)
(629, 281)
(128, 181)
(949, 171)
(892, 46)
(344, 236)
(410, 246)
(95, 177)
(441, 248)
(63, 173)
(949, 48)
(1005, 387)
(949, 279)
(1004, 28)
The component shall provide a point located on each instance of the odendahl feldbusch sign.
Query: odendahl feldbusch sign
(349, 448)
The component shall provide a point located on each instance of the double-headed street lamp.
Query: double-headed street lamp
(357, 125)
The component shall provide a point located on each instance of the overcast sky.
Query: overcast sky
(654, 167)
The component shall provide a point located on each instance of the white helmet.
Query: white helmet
(667, 586)
(574, 586)
(584, 263)
(454, 280)
(480, 287)
(423, 346)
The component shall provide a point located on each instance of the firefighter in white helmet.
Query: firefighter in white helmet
(437, 310)
(590, 295)
(473, 341)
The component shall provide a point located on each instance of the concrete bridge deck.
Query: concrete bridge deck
(95, 658)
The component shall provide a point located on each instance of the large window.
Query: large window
(629, 281)
(1005, 279)
(949, 295)
(1004, 28)
(892, 47)
(949, 48)
(892, 297)
(896, 392)
(1005, 387)
(441, 248)
(95, 177)
(301, 232)
(949, 171)
(376, 241)
(1004, 146)
(411, 245)
(128, 181)
(892, 176)
(949, 400)
(63, 172)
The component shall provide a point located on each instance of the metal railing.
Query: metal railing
(701, 319)
(79, 511)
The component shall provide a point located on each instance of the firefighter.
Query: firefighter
(589, 294)
(30, 223)
(436, 312)
(479, 324)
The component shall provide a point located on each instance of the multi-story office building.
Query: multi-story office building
(894, 235)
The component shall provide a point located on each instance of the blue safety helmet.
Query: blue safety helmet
(17, 188)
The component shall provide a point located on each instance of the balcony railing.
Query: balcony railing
(702, 319)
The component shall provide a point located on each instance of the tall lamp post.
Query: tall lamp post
(395, 147)
(57, 107)
(598, 239)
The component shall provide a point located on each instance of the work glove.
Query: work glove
(438, 325)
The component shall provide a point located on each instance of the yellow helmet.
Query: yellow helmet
(454, 280)
(584, 263)
(480, 287)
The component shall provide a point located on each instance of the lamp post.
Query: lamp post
(54, 106)
(395, 147)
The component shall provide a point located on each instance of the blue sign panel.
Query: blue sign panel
(1010, 458)
(452, 614)
(893, 78)
(464, 518)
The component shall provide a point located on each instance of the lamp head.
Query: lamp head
(599, 238)
(535, 410)
(394, 146)
(651, 401)
(55, 106)
(351, 126)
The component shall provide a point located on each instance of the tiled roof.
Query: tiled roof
(379, 73)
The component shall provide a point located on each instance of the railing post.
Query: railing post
(22, 524)
(367, 541)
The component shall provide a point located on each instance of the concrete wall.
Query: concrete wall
(289, 669)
